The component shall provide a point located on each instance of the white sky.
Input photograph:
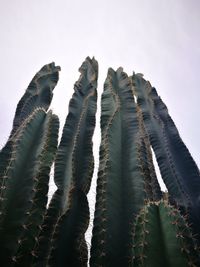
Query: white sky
(159, 38)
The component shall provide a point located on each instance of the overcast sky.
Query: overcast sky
(159, 38)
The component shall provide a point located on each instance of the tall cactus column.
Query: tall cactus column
(124, 179)
(25, 163)
(178, 169)
(38, 94)
(25, 186)
(133, 225)
(68, 215)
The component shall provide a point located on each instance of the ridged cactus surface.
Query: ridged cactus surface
(38, 94)
(162, 237)
(25, 184)
(72, 175)
(178, 169)
(126, 178)
(135, 224)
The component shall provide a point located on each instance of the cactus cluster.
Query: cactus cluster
(135, 223)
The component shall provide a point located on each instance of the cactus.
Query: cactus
(162, 237)
(25, 163)
(126, 178)
(179, 171)
(135, 224)
(38, 94)
(25, 184)
(30, 152)
(73, 173)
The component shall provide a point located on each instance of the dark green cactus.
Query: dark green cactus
(38, 94)
(37, 212)
(25, 163)
(29, 154)
(134, 223)
(126, 177)
(162, 237)
(175, 161)
(76, 177)
(73, 173)
(25, 184)
(179, 171)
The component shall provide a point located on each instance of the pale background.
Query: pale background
(159, 38)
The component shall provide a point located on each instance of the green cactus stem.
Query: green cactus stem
(20, 182)
(38, 95)
(124, 178)
(178, 169)
(33, 225)
(73, 171)
(162, 237)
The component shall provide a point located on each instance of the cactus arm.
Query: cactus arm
(185, 165)
(162, 237)
(152, 185)
(179, 171)
(123, 183)
(156, 132)
(74, 161)
(45, 236)
(68, 244)
(38, 94)
(76, 150)
(32, 227)
(23, 201)
(18, 182)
